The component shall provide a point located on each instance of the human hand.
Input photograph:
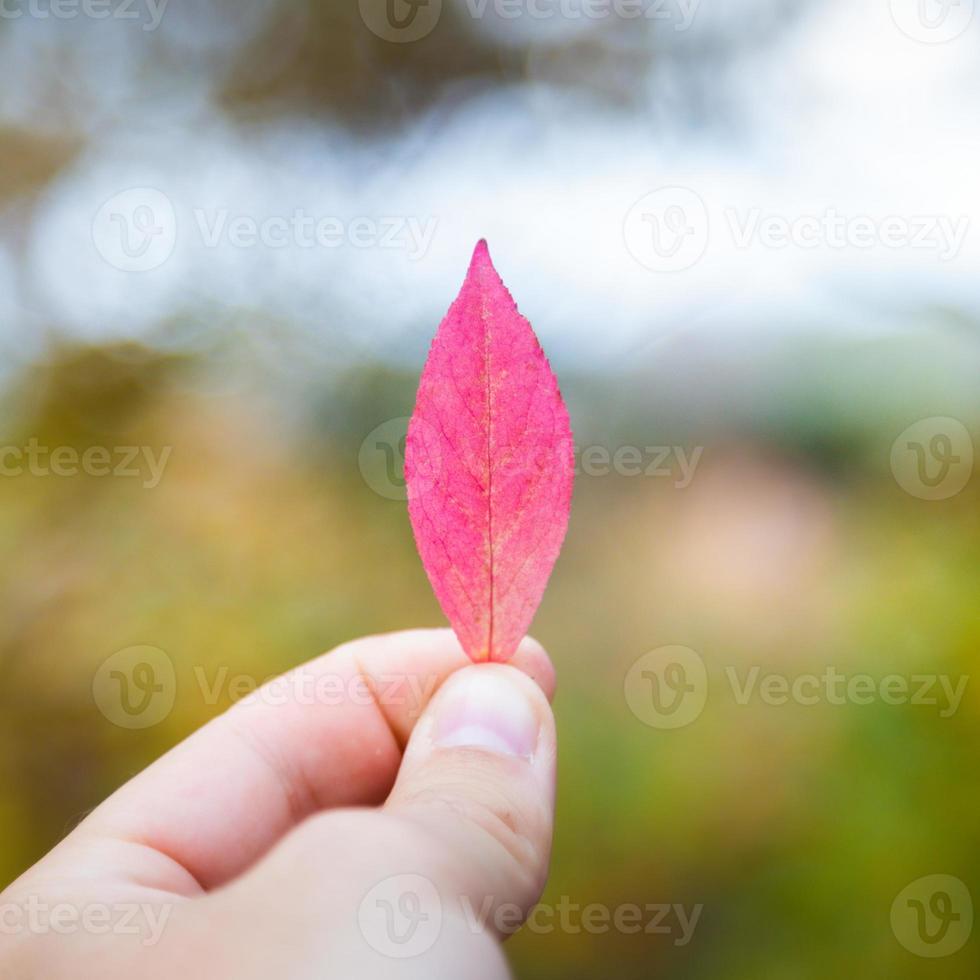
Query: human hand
(376, 835)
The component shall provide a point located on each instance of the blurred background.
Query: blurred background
(745, 234)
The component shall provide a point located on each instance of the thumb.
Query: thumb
(477, 784)
(456, 856)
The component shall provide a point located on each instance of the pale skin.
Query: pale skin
(372, 836)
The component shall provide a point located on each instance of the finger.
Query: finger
(478, 781)
(455, 858)
(328, 734)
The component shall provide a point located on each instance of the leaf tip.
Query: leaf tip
(481, 255)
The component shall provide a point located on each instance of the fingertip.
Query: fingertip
(405, 646)
(439, 651)
(479, 772)
(532, 659)
(498, 702)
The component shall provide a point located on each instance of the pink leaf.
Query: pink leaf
(488, 463)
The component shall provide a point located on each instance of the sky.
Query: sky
(820, 176)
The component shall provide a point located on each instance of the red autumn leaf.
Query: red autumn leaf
(488, 466)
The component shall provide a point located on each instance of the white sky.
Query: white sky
(845, 112)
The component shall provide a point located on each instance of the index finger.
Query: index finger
(218, 801)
